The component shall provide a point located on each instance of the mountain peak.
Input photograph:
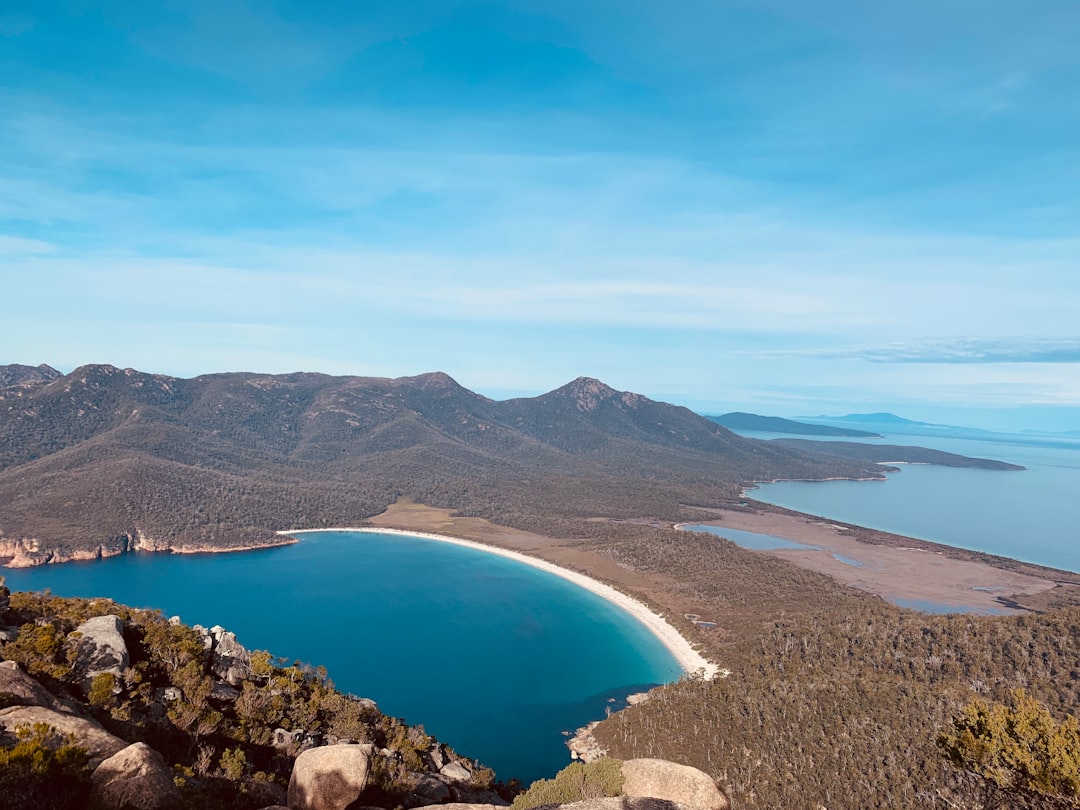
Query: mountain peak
(437, 383)
(19, 376)
(587, 393)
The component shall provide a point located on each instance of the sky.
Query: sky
(794, 208)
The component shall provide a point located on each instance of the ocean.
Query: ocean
(492, 656)
(1031, 515)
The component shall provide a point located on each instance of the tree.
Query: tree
(1020, 752)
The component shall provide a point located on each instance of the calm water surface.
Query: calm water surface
(491, 655)
(751, 540)
(1033, 515)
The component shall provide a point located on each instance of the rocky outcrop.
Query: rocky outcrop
(98, 743)
(135, 778)
(6, 633)
(584, 746)
(329, 778)
(455, 772)
(100, 649)
(680, 784)
(20, 689)
(229, 659)
(329, 771)
(27, 552)
(428, 790)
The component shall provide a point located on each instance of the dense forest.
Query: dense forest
(836, 698)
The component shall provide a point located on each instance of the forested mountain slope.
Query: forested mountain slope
(110, 457)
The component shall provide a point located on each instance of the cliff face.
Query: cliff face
(27, 552)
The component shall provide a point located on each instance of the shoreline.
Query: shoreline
(689, 659)
(892, 567)
(28, 554)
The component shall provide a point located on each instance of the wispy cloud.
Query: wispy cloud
(963, 351)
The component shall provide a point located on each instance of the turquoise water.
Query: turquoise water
(493, 656)
(1031, 515)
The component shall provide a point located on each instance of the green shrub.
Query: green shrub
(102, 688)
(577, 781)
(44, 770)
(233, 763)
(1018, 748)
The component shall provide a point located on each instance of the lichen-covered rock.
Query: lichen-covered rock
(231, 660)
(135, 778)
(456, 772)
(681, 784)
(223, 693)
(21, 689)
(100, 648)
(98, 743)
(329, 778)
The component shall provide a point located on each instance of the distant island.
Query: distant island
(885, 453)
(738, 420)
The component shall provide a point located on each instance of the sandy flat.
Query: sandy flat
(691, 661)
(919, 572)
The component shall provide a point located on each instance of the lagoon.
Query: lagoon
(494, 657)
(1031, 515)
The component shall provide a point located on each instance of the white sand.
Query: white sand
(691, 661)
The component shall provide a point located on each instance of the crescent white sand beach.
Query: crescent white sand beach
(691, 661)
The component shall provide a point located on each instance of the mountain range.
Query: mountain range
(106, 457)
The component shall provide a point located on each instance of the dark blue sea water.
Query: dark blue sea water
(493, 656)
(1033, 515)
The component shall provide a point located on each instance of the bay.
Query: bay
(492, 656)
(1031, 515)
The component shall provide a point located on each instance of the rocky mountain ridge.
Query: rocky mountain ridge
(97, 461)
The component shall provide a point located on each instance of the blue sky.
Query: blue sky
(788, 207)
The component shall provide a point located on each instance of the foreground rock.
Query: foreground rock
(100, 649)
(135, 778)
(681, 784)
(21, 689)
(329, 778)
(99, 744)
(229, 659)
